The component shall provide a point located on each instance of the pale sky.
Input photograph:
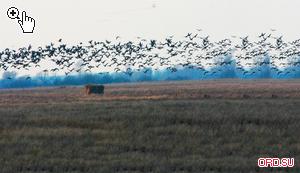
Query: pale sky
(81, 20)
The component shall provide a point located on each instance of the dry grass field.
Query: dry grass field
(162, 127)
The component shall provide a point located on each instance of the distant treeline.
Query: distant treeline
(12, 80)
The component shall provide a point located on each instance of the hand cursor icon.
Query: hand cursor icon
(27, 23)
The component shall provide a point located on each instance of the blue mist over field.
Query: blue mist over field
(13, 80)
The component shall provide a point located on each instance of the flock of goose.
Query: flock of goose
(192, 51)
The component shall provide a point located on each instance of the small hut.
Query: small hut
(94, 89)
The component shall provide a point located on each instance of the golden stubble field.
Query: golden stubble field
(184, 126)
(219, 89)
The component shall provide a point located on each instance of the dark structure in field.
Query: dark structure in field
(94, 89)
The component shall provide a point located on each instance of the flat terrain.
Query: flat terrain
(163, 127)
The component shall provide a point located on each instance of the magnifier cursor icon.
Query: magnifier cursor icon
(26, 23)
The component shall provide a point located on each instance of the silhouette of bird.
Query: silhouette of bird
(143, 54)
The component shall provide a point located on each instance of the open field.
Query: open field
(186, 126)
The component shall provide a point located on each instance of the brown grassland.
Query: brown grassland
(161, 127)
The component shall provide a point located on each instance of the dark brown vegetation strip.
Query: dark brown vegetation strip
(180, 135)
